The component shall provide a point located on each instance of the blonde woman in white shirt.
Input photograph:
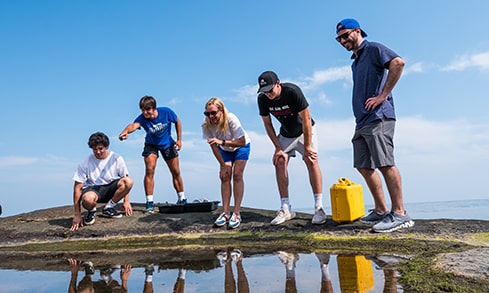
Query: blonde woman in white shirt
(230, 144)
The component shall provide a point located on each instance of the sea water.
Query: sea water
(475, 209)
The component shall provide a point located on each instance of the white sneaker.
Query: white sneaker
(319, 217)
(236, 255)
(222, 256)
(234, 221)
(282, 216)
(287, 258)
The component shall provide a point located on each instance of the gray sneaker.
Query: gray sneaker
(319, 217)
(392, 222)
(373, 217)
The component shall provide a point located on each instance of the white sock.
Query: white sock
(285, 204)
(325, 273)
(110, 204)
(149, 198)
(181, 273)
(290, 272)
(318, 201)
(181, 195)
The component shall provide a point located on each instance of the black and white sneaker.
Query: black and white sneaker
(89, 269)
(111, 213)
(89, 218)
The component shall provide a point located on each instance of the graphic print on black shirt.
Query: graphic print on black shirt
(286, 109)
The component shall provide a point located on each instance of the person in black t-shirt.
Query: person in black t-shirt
(286, 102)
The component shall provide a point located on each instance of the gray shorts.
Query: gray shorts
(291, 145)
(373, 145)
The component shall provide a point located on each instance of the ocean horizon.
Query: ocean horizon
(474, 209)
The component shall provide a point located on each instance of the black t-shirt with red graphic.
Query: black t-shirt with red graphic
(285, 108)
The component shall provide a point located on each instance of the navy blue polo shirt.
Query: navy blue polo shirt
(369, 75)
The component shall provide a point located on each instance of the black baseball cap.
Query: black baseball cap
(266, 81)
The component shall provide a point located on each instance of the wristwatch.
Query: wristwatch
(223, 142)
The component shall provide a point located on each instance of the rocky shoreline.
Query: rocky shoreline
(44, 233)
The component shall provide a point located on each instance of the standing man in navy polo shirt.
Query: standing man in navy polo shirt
(376, 70)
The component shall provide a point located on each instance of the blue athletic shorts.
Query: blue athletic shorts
(243, 153)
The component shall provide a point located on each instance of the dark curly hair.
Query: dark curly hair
(98, 138)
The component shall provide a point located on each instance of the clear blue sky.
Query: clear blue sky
(70, 68)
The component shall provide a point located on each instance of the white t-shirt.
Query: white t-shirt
(234, 131)
(93, 171)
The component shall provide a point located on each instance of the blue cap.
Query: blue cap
(349, 23)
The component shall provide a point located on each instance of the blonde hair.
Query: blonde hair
(222, 124)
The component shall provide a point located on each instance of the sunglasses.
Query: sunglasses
(344, 36)
(213, 113)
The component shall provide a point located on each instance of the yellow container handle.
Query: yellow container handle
(345, 181)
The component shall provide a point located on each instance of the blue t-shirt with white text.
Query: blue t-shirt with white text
(158, 130)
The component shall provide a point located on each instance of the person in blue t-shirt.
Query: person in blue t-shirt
(157, 121)
(376, 70)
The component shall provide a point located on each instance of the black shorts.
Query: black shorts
(168, 154)
(104, 192)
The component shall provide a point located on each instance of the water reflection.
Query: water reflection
(226, 258)
(221, 270)
(290, 260)
(106, 283)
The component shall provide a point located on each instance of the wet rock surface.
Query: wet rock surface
(53, 225)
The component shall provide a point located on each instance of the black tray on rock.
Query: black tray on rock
(172, 208)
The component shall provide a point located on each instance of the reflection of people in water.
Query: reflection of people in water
(290, 260)
(226, 259)
(148, 280)
(326, 285)
(106, 282)
(109, 282)
(179, 286)
(86, 284)
(390, 274)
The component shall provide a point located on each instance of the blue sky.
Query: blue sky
(70, 68)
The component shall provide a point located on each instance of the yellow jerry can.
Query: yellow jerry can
(346, 201)
(355, 273)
